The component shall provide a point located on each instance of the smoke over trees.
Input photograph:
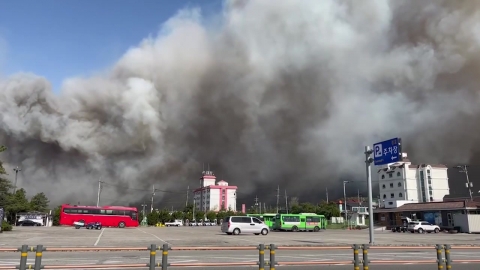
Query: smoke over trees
(279, 93)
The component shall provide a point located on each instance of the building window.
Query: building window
(383, 186)
(398, 173)
(390, 203)
(400, 195)
(390, 175)
(431, 199)
(392, 195)
(430, 192)
(383, 176)
(391, 185)
(428, 171)
(399, 184)
(384, 196)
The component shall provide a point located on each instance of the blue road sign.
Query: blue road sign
(388, 151)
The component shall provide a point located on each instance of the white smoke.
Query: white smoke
(280, 92)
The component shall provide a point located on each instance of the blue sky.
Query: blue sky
(59, 39)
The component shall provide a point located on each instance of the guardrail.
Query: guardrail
(262, 262)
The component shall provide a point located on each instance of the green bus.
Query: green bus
(268, 219)
(300, 222)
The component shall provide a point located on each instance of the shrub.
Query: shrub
(6, 227)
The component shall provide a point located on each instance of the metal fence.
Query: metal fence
(442, 252)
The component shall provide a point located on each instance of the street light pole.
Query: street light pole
(469, 185)
(345, 201)
(16, 173)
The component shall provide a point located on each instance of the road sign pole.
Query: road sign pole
(368, 162)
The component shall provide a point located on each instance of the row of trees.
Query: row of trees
(166, 215)
(14, 203)
(327, 209)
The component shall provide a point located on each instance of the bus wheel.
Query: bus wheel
(316, 229)
(294, 229)
(121, 224)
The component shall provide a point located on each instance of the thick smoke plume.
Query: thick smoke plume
(277, 93)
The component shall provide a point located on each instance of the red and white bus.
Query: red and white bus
(109, 216)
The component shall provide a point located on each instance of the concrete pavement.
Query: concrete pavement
(332, 257)
(211, 236)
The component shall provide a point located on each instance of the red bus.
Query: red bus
(109, 216)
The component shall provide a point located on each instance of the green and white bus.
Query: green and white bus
(300, 222)
(268, 219)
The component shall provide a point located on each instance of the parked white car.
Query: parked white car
(176, 223)
(240, 224)
(422, 226)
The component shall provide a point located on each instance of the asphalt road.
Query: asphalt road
(336, 259)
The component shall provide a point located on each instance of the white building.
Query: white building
(403, 182)
(213, 196)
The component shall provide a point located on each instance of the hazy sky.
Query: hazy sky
(61, 39)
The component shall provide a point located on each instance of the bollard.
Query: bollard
(38, 257)
(272, 257)
(165, 257)
(356, 261)
(365, 257)
(448, 259)
(261, 257)
(439, 256)
(153, 252)
(23, 257)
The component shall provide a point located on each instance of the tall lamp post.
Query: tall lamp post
(16, 175)
(345, 201)
(469, 185)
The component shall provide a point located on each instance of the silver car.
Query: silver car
(240, 224)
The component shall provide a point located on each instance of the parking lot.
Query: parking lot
(212, 236)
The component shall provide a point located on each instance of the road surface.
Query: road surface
(337, 259)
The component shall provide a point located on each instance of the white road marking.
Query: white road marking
(100, 236)
(154, 236)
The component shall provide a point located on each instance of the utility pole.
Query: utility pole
(469, 185)
(188, 191)
(358, 195)
(368, 163)
(99, 191)
(193, 210)
(345, 201)
(16, 173)
(256, 203)
(326, 191)
(264, 208)
(153, 194)
(260, 207)
(286, 201)
(143, 211)
(278, 196)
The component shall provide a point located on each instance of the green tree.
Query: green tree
(164, 216)
(178, 215)
(17, 203)
(211, 215)
(199, 215)
(221, 215)
(56, 216)
(5, 184)
(152, 218)
(329, 210)
(39, 202)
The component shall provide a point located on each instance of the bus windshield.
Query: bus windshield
(109, 216)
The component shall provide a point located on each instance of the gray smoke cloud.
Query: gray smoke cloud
(275, 93)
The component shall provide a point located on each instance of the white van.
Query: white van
(240, 224)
